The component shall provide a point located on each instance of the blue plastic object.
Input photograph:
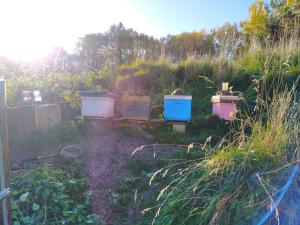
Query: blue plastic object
(281, 195)
(177, 108)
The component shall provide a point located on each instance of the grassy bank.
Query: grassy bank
(224, 186)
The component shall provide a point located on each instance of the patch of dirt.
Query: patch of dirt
(108, 153)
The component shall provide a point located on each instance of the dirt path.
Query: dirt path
(108, 153)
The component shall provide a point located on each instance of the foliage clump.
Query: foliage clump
(52, 195)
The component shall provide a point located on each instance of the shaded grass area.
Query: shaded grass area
(47, 142)
(53, 136)
(222, 187)
(134, 194)
(198, 131)
(134, 199)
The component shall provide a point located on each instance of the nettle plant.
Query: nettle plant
(48, 195)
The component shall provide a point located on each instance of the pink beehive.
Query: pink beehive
(224, 106)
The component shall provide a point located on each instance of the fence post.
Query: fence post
(4, 147)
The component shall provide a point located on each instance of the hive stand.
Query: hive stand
(179, 127)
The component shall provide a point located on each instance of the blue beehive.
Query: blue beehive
(177, 107)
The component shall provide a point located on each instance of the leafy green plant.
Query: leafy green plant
(49, 195)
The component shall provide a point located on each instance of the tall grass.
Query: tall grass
(261, 67)
(222, 188)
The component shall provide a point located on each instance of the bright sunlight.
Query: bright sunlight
(30, 29)
(139, 112)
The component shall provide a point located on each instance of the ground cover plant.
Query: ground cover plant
(52, 194)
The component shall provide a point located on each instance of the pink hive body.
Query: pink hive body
(224, 106)
(224, 110)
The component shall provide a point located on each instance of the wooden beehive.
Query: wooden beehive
(134, 107)
(27, 119)
(47, 115)
(224, 106)
(97, 104)
(21, 120)
(24, 120)
(178, 107)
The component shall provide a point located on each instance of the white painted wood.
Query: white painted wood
(220, 98)
(97, 106)
(179, 97)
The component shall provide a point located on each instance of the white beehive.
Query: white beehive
(97, 104)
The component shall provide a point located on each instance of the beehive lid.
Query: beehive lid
(181, 97)
(96, 94)
(224, 98)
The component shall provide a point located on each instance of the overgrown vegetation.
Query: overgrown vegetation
(52, 137)
(217, 185)
(222, 187)
(52, 195)
(134, 195)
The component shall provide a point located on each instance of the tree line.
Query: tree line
(266, 23)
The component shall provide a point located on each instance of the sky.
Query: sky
(29, 29)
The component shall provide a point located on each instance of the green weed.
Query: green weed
(49, 195)
(138, 166)
(129, 130)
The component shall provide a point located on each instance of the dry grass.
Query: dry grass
(218, 188)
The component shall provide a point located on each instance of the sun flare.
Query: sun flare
(36, 27)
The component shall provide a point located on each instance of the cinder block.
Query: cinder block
(180, 128)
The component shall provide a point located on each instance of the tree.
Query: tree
(94, 50)
(227, 39)
(183, 45)
(255, 25)
(56, 61)
(284, 19)
(116, 46)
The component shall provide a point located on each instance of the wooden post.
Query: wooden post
(4, 145)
